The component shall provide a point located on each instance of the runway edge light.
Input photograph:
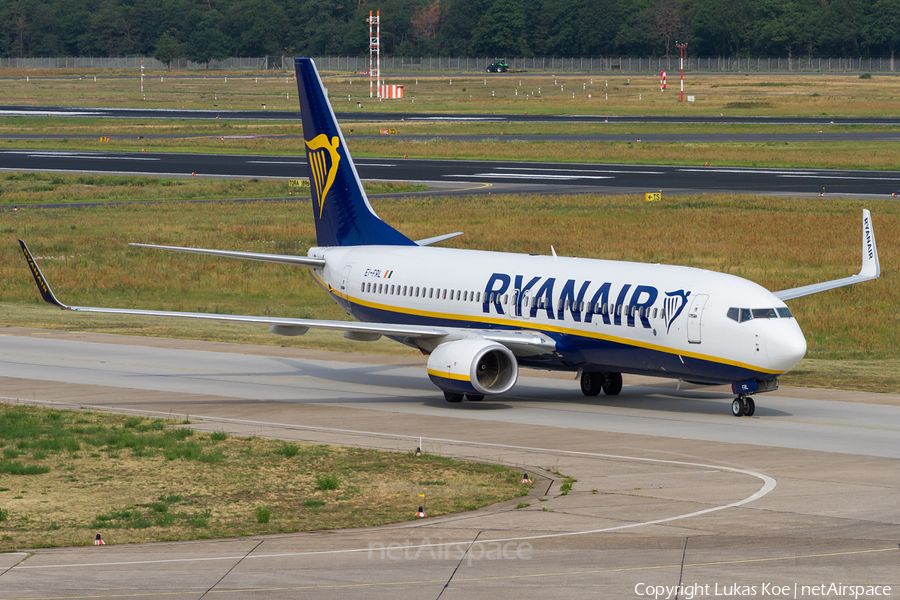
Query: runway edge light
(99, 541)
(421, 513)
(525, 478)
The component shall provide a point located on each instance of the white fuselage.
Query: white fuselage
(654, 319)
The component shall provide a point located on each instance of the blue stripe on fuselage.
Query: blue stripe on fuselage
(574, 351)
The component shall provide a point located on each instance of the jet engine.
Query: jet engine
(473, 366)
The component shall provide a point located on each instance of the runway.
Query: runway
(10, 110)
(475, 176)
(670, 488)
(648, 138)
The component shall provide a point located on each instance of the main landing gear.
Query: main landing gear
(592, 382)
(743, 406)
(451, 397)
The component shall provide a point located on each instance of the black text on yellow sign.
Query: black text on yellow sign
(298, 182)
(653, 196)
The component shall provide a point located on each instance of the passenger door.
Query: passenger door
(695, 318)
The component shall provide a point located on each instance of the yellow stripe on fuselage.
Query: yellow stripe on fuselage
(541, 328)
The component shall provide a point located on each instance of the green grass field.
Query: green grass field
(66, 476)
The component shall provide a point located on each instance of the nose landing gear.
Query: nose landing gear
(743, 406)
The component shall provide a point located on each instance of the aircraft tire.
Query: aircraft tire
(591, 383)
(749, 407)
(737, 407)
(613, 384)
(451, 397)
(474, 397)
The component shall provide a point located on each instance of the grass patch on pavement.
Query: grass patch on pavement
(132, 479)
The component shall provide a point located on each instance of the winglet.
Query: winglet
(43, 286)
(871, 268)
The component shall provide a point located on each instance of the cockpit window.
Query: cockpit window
(745, 314)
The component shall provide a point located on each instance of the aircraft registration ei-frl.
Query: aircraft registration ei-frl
(481, 315)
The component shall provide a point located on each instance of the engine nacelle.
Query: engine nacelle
(473, 366)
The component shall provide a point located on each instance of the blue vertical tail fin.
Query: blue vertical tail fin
(342, 211)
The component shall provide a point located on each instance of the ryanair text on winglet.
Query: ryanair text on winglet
(35, 272)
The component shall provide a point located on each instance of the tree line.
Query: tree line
(201, 30)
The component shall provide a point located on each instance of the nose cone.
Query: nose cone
(785, 344)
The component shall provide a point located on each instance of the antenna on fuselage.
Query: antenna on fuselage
(552, 251)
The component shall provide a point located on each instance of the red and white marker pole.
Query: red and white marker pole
(682, 47)
(142, 76)
(662, 81)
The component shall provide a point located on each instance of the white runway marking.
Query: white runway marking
(532, 176)
(768, 485)
(580, 170)
(81, 155)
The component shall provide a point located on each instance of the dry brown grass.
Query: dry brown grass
(778, 242)
(732, 94)
(831, 155)
(22, 189)
(825, 155)
(142, 496)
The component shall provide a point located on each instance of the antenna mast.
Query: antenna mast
(375, 49)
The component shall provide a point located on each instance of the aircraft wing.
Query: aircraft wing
(871, 269)
(520, 342)
(283, 326)
(304, 261)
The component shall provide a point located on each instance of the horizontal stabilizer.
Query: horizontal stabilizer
(304, 261)
(438, 238)
(871, 268)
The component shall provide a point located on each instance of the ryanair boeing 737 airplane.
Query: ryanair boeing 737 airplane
(479, 316)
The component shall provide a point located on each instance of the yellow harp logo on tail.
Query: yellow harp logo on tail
(323, 165)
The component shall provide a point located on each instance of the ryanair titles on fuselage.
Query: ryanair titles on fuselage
(582, 300)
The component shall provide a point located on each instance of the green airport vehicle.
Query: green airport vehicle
(500, 66)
